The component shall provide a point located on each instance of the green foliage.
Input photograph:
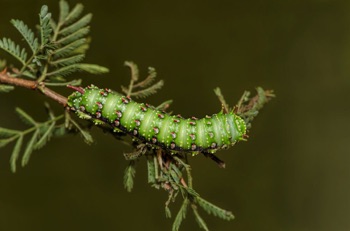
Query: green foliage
(13, 49)
(41, 133)
(6, 88)
(248, 108)
(60, 48)
(27, 34)
(146, 89)
(129, 175)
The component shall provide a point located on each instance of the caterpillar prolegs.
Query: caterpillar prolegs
(154, 127)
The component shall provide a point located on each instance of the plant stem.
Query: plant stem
(6, 78)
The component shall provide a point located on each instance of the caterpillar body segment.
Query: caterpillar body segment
(157, 128)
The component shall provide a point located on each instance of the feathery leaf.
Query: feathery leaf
(93, 68)
(213, 209)
(5, 132)
(180, 215)
(74, 36)
(30, 147)
(15, 153)
(46, 136)
(77, 25)
(69, 48)
(134, 70)
(67, 61)
(45, 27)
(27, 34)
(163, 106)
(74, 14)
(129, 175)
(148, 91)
(6, 88)
(64, 11)
(199, 219)
(152, 74)
(27, 119)
(151, 171)
(9, 46)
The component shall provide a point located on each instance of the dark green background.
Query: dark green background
(293, 173)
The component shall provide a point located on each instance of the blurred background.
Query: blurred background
(293, 173)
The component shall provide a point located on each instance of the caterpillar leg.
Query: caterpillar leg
(216, 159)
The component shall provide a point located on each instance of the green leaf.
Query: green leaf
(199, 219)
(64, 11)
(6, 88)
(77, 25)
(152, 74)
(148, 91)
(4, 142)
(74, 82)
(163, 106)
(4, 132)
(86, 135)
(93, 68)
(69, 48)
(30, 147)
(74, 36)
(74, 14)
(129, 175)
(9, 46)
(222, 100)
(68, 61)
(25, 117)
(134, 70)
(46, 136)
(180, 215)
(27, 34)
(151, 171)
(45, 26)
(213, 209)
(15, 153)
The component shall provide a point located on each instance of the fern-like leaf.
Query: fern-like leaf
(64, 11)
(148, 91)
(48, 131)
(180, 215)
(73, 15)
(68, 49)
(213, 209)
(152, 74)
(74, 36)
(27, 119)
(77, 25)
(5, 132)
(9, 46)
(68, 61)
(30, 147)
(6, 88)
(15, 153)
(45, 26)
(129, 175)
(198, 218)
(92, 68)
(27, 34)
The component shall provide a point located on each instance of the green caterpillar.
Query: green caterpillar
(154, 127)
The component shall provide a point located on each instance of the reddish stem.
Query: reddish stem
(6, 78)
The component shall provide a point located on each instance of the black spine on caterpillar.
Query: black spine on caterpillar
(154, 127)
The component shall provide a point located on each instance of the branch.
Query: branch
(6, 78)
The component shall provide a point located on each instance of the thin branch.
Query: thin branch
(6, 78)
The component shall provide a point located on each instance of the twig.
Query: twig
(6, 78)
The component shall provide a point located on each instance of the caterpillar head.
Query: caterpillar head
(75, 97)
